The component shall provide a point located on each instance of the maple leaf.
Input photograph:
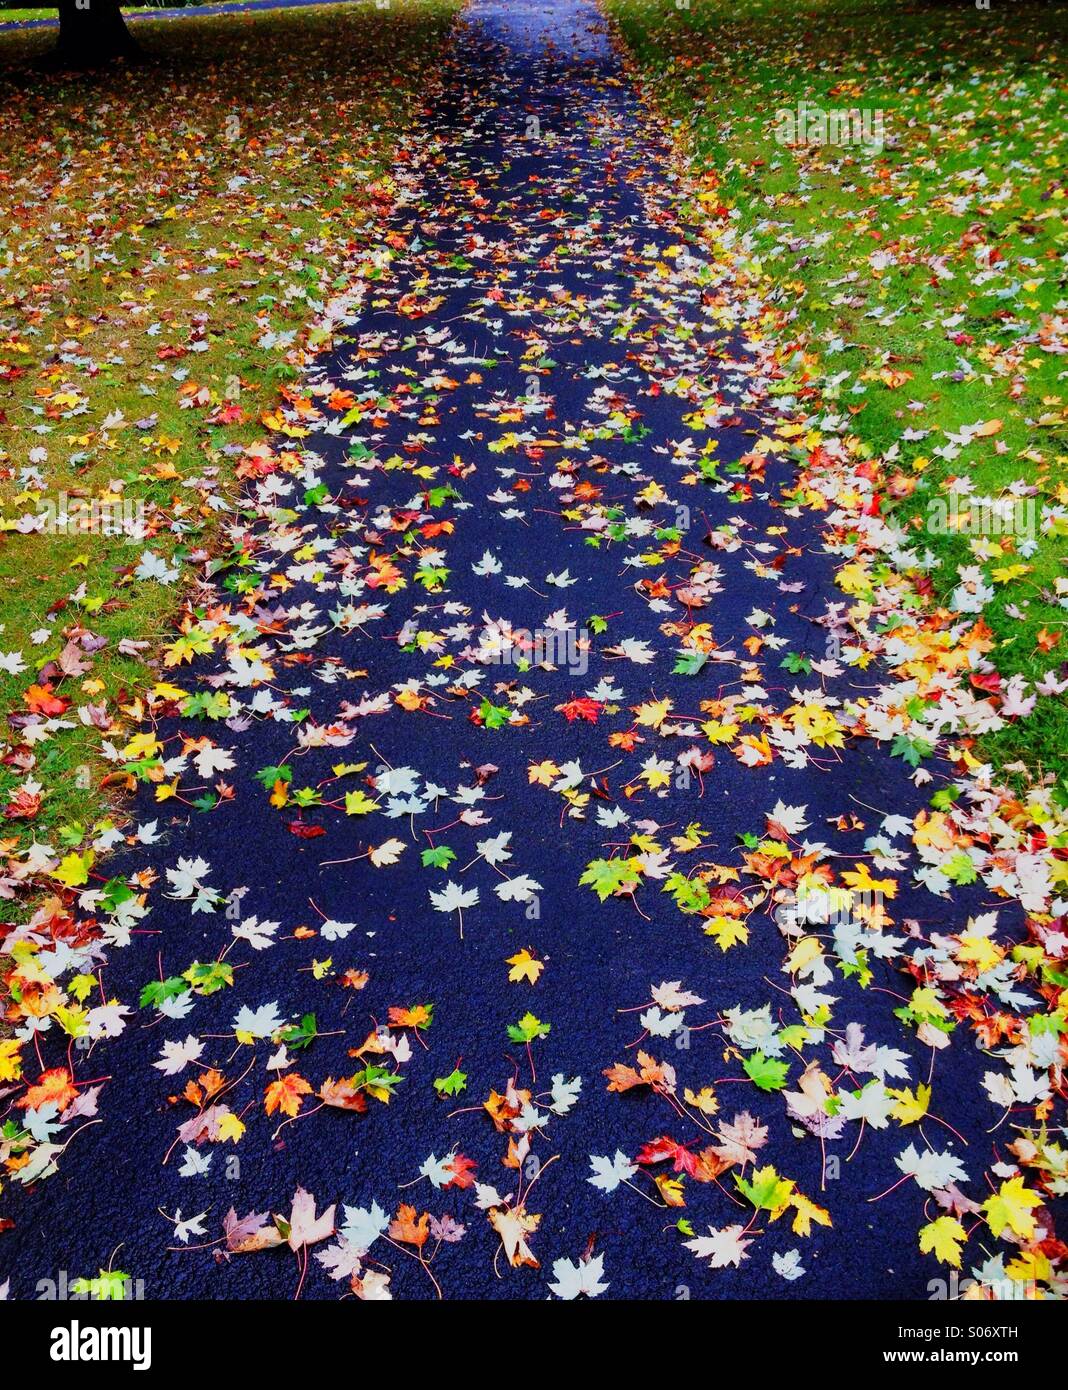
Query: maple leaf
(453, 898)
(608, 1173)
(524, 967)
(451, 1085)
(304, 1227)
(386, 853)
(1010, 1208)
(410, 1229)
(670, 995)
(520, 889)
(110, 1285)
(766, 1072)
(721, 1247)
(608, 876)
(286, 1094)
(582, 708)
(910, 1108)
(419, 1016)
(767, 1191)
(652, 1073)
(513, 1225)
(528, 1028)
(665, 1149)
(463, 1172)
(176, 1055)
(670, 1190)
(51, 1086)
(231, 1127)
(10, 1061)
(250, 1233)
(572, 1280)
(944, 1236)
(343, 1095)
(543, 773)
(930, 1169)
(806, 1213)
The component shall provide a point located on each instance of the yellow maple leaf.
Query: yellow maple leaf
(670, 1190)
(807, 1212)
(944, 1237)
(703, 1100)
(804, 953)
(230, 1127)
(727, 932)
(981, 951)
(10, 1061)
(143, 745)
(1028, 1267)
(74, 869)
(1010, 1207)
(544, 773)
(524, 967)
(652, 713)
(910, 1108)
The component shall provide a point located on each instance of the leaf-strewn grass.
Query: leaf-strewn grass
(924, 281)
(169, 232)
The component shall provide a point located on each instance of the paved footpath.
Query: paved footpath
(544, 420)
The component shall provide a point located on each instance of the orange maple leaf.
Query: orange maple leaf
(286, 1094)
(410, 1229)
(54, 1085)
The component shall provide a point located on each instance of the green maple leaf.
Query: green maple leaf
(452, 1084)
(300, 1035)
(439, 858)
(608, 876)
(157, 992)
(109, 1286)
(376, 1076)
(432, 577)
(209, 978)
(270, 775)
(689, 663)
(767, 1191)
(794, 1035)
(115, 892)
(913, 750)
(690, 894)
(796, 662)
(959, 868)
(527, 1029)
(766, 1072)
(213, 704)
(493, 716)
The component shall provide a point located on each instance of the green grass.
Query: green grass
(157, 220)
(13, 16)
(976, 146)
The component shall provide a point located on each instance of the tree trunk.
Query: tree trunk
(91, 32)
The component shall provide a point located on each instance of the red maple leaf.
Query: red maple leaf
(582, 708)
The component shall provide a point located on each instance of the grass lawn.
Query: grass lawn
(171, 233)
(14, 16)
(922, 278)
